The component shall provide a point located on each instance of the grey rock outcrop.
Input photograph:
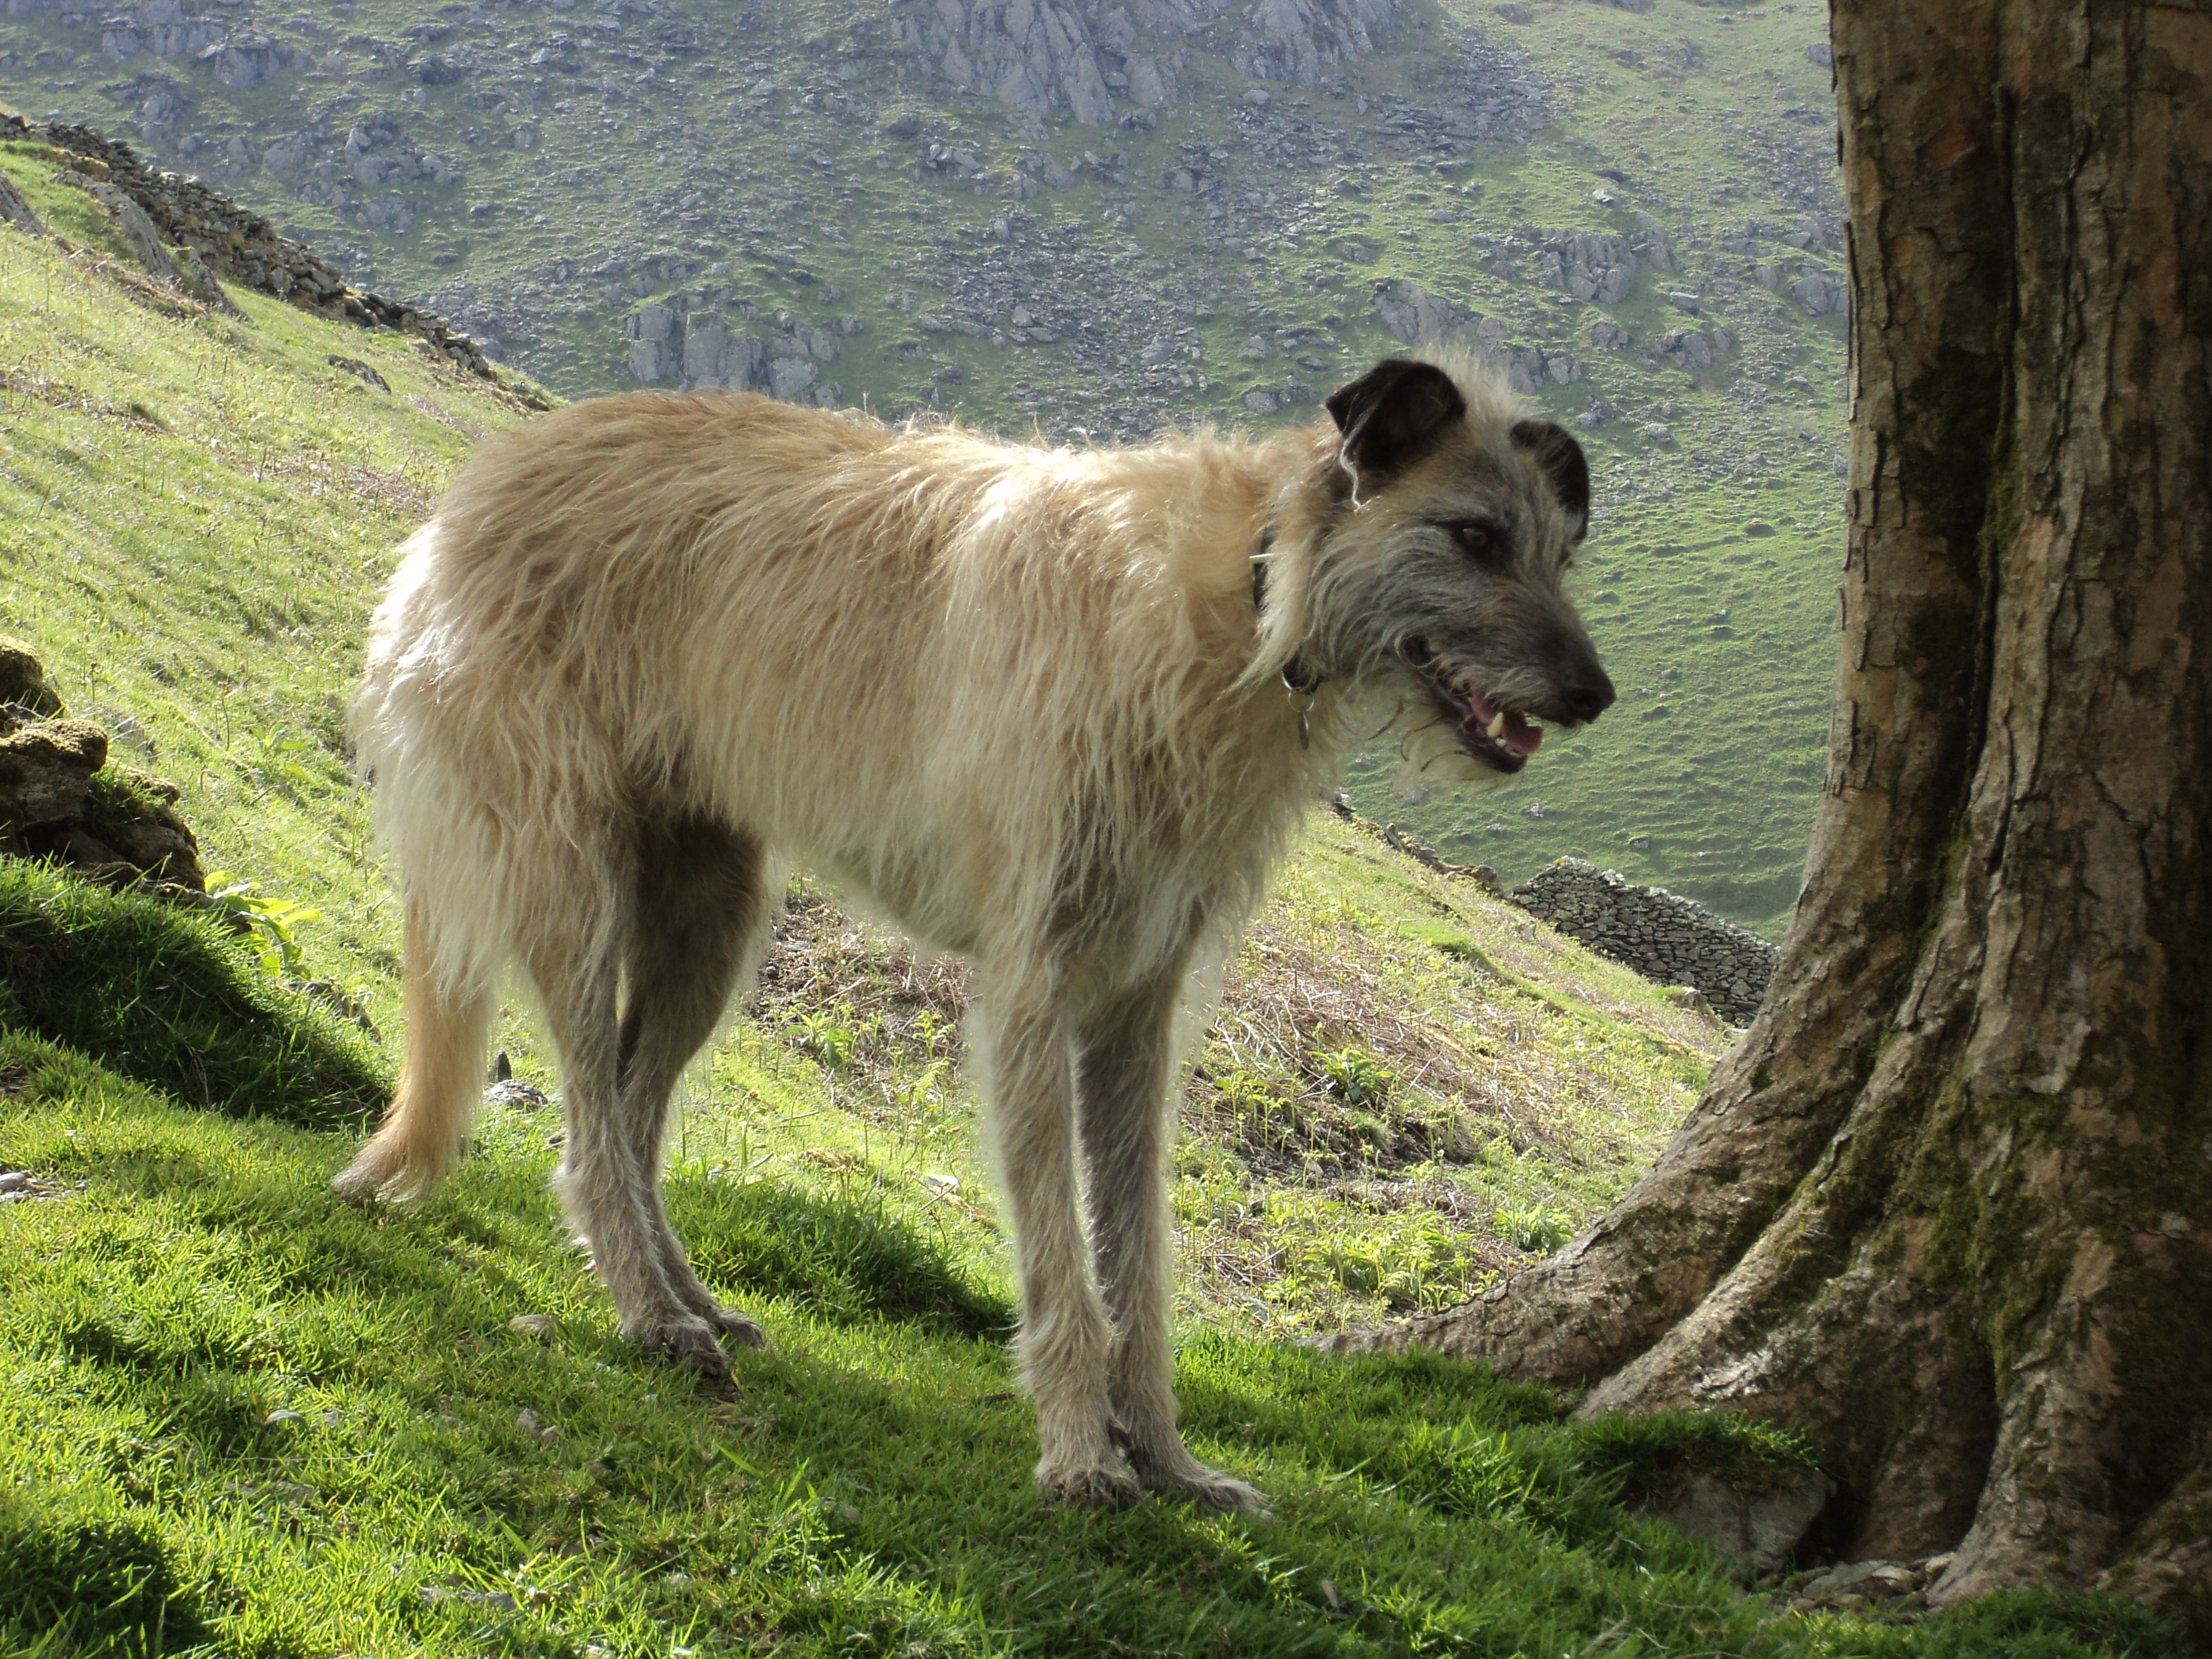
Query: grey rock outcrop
(696, 347)
(1821, 293)
(1662, 935)
(1419, 317)
(1088, 60)
(208, 234)
(1299, 41)
(1693, 349)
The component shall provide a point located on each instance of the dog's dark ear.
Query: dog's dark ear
(1393, 415)
(1560, 459)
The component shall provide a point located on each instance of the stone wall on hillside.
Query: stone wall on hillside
(1662, 935)
(237, 243)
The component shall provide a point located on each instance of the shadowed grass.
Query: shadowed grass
(78, 1583)
(163, 995)
(847, 1262)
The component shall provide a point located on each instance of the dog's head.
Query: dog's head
(1432, 549)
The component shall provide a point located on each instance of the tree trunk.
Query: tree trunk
(1949, 1203)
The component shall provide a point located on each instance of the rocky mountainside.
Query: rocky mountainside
(1099, 219)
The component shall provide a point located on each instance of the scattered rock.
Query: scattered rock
(490, 1600)
(517, 1096)
(540, 1328)
(20, 1186)
(1753, 1530)
(544, 1433)
(60, 799)
(1857, 1583)
(359, 371)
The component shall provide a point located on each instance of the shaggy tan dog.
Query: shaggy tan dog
(1055, 710)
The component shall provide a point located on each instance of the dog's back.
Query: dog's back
(778, 613)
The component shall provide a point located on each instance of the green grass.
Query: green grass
(167, 997)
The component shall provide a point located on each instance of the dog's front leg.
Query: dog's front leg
(1125, 1060)
(1065, 1339)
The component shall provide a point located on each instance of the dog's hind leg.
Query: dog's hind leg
(1064, 1339)
(1124, 1062)
(700, 915)
(440, 1080)
(573, 953)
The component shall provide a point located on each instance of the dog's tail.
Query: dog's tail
(455, 946)
(439, 1081)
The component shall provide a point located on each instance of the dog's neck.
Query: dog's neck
(1300, 678)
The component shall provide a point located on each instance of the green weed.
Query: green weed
(275, 920)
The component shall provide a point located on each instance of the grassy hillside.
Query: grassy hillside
(240, 1419)
(563, 176)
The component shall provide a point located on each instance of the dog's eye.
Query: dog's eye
(1478, 540)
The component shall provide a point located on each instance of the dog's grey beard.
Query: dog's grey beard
(1428, 754)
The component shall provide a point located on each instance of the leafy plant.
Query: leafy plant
(1353, 1075)
(1537, 1230)
(273, 920)
(827, 1038)
(922, 1094)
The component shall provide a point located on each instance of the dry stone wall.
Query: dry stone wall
(1662, 935)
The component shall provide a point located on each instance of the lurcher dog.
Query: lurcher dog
(1057, 710)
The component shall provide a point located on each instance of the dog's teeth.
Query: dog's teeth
(1496, 726)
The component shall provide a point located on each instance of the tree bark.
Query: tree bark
(1948, 1204)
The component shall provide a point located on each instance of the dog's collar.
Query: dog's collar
(1300, 678)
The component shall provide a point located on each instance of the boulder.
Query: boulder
(23, 682)
(17, 211)
(135, 817)
(45, 773)
(60, 799)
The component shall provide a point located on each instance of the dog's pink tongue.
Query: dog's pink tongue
(1522, 737)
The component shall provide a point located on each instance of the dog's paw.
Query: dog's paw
(1180, 1475)
(1098, 1486)
(745, 1333)
(374, 1174)
(692, 1340)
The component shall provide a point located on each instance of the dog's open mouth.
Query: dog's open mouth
(1498, 737)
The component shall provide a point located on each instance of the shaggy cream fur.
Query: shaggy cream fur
(1017, 697)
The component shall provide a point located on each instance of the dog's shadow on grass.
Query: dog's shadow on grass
(298, 1369)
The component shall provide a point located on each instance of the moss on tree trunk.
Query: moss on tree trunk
(1949, 1203)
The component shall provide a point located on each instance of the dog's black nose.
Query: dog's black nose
(1588, 695)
